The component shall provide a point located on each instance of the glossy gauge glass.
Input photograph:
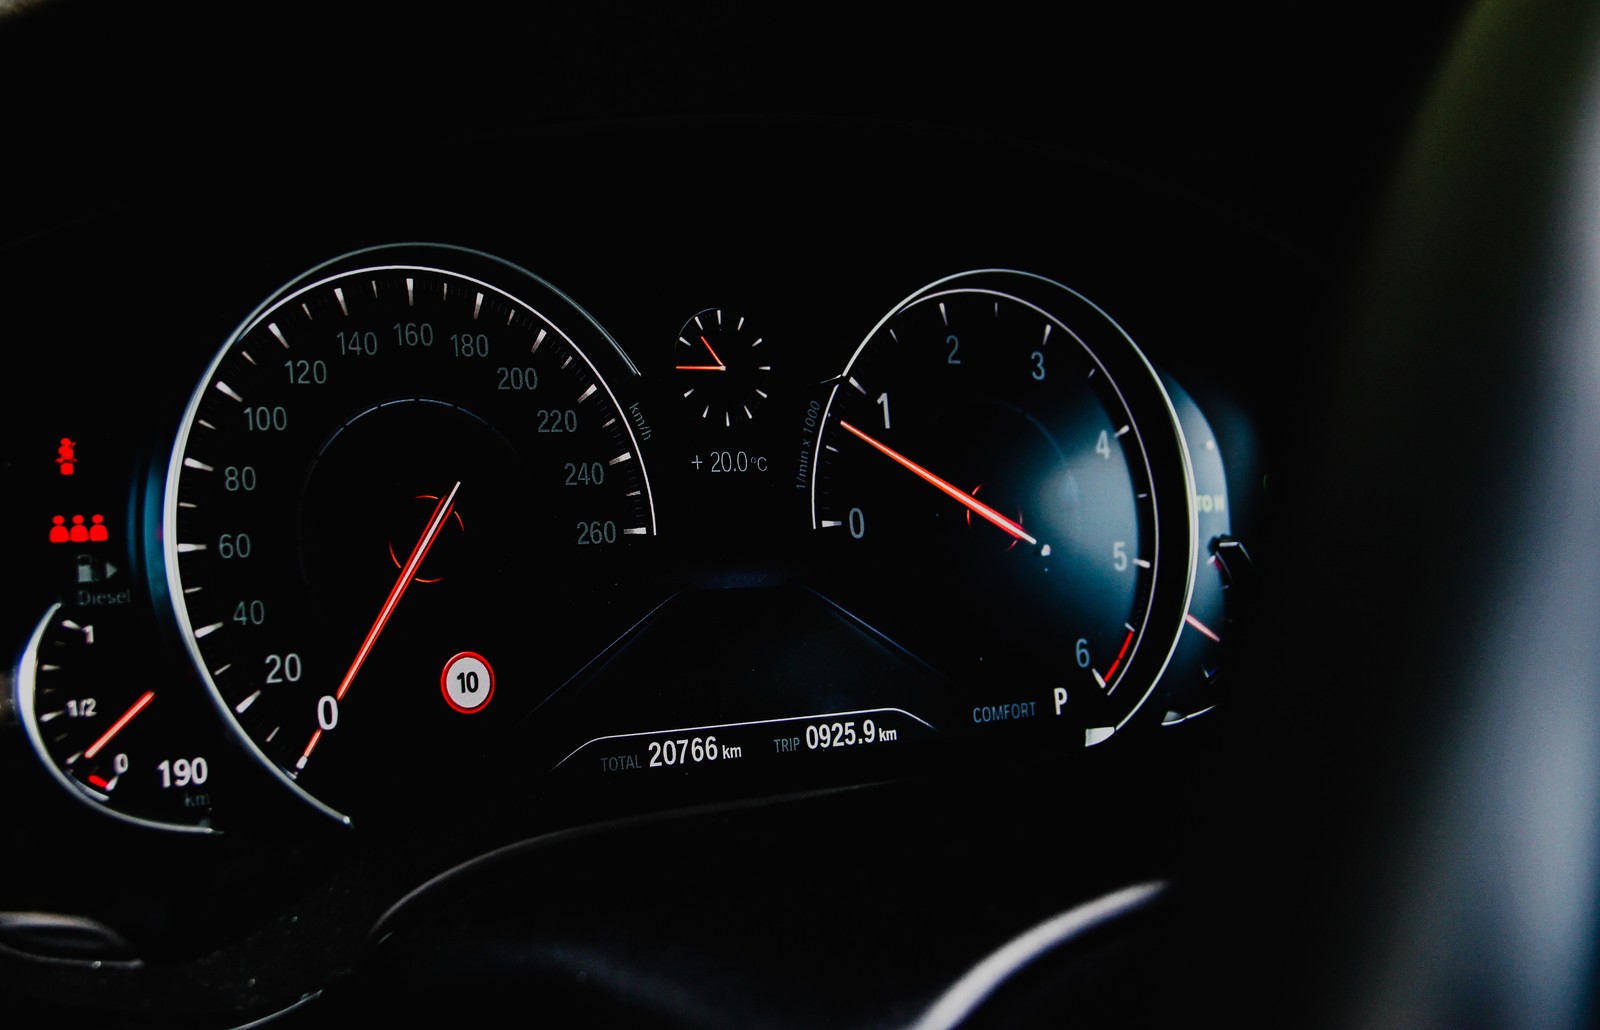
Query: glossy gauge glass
(1004, 487)
(394, 516)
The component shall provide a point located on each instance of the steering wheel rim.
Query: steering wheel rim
(1461, 776)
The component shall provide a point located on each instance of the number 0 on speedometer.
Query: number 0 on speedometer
(407, 456)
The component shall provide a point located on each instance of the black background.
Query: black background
(1227, 142)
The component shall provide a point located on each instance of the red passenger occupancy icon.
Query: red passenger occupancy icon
(92, 531)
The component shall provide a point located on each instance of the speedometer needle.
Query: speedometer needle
(419, 551)
(949, 489)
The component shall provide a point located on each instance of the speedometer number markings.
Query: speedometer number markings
(350, 470)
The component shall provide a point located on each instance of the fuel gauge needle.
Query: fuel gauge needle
(949, 489)
(419, 551)
(121, 724)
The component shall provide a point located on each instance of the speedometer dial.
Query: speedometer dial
(393, 514)
(1002, 477)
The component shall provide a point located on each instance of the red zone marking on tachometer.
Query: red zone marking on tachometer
(1120, 655)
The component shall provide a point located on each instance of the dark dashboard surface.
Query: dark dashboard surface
(756, 762)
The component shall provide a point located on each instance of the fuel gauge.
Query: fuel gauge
(123, 742)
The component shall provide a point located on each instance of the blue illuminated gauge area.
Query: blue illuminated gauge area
(1003, 488)
(395, 518)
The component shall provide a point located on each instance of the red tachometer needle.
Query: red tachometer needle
(1203, 628)
(718, 367)
(117, 727)
(441, 513)
(950, 490)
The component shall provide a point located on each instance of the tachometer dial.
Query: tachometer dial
(404, 476)
(1005, 484)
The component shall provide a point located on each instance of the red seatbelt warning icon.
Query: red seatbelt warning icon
(67, 456)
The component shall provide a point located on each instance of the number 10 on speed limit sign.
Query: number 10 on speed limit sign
(467, 682)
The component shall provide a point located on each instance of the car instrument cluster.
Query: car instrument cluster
(366, 524)
(427, 528)
(410, 497)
